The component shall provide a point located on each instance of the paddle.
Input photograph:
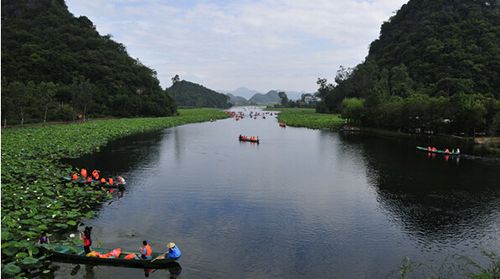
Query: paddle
(157, 258)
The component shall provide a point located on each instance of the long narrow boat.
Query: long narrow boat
(76, 254)
(421, 148)
(94, 183)
(249, 140)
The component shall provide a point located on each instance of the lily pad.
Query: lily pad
(10, 251)
(11, 269)
(30, 261)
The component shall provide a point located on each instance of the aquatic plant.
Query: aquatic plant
(309, 118)
(36, 200)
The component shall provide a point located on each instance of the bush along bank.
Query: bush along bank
(34, 199)
(309, 118)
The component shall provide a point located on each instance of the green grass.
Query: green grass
(33, 197)
(309, 118)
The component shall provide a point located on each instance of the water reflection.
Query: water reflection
(436, 199)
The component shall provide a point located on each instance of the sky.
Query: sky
(259, 44)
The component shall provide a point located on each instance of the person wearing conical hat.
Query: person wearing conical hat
(173, 252)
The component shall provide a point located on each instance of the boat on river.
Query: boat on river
(94, 183)
(421, 148)
(75, 254)
(245, 139)
(282, 124)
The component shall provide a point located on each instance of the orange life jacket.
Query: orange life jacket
(149, 251)
(83, 172)
(130, 257)
(103, 180)
(110, 181)
(74, 176)
(95, 174)
(89, 179)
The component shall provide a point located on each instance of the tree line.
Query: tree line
(435, 68)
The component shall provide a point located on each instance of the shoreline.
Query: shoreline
(34, 200)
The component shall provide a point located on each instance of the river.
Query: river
(302, 204)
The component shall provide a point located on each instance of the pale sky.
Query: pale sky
(259, 44)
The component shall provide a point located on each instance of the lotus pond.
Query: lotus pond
(34, 198)
(309, 118)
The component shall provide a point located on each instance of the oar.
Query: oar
(157, 258)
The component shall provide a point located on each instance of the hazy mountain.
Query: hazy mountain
(270, 98)
(242, 92)
(237, 100)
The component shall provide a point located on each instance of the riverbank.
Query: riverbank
(308, 118)
(35, 200)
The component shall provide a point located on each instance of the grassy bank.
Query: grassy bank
(309, 118)
(33, 197)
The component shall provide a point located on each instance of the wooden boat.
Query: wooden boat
(76, 254)
(94, 183)
(249, 140)
(421, 148)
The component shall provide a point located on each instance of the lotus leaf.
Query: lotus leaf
(11, 269)
(30, 261)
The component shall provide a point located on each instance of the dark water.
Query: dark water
(302, 204)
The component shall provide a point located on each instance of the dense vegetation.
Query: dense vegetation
(307, 117)
(57, 67)
(188, 94)
(435, 68)
(33, 197)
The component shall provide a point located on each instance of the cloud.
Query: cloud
(262, 44)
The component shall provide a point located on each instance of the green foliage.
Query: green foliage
(442, 55)
(307, 117)
(34, 199)
(352, 108)
(188, 94)
(57, 67)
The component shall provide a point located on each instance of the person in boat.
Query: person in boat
(44, 239)
(110, 181)
(447, 151)
(120, 180)
(87, 239)
(434, 149)
(103, 181)
(173, 252)
(146, 251)
(241, 137)
(429, 148)
(95, 175)
(457, 151)
(83, 173)
(74, 177)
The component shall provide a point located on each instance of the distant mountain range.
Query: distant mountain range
(245, 96)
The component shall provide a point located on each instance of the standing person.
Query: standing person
(87, 240)
(146, 251)
(44, 239)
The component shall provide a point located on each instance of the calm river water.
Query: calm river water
(302, 204)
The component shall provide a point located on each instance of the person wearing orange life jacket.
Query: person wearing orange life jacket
(89, 180)
(95, 174)
(110, 181)
(83, 173)
(74, 177)
(146, 251)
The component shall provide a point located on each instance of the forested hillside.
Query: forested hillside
(270, 98)
(188, 94)
(435, 68)
(57, 67)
